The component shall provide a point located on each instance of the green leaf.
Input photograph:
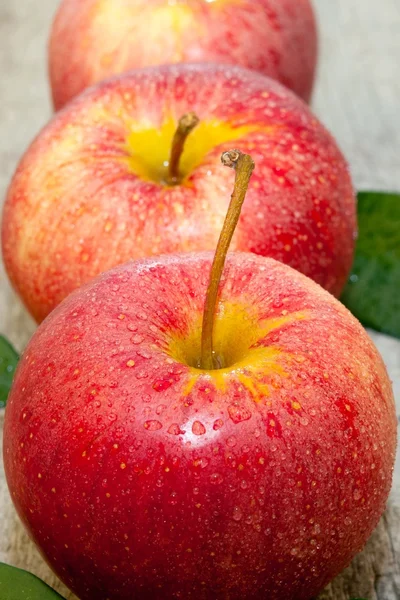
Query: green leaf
(373, 291)
(8, 361)
(20, 585)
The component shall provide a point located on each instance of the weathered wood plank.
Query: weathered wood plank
(356, 96)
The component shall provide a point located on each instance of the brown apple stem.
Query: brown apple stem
(243, 165)
(186, 124)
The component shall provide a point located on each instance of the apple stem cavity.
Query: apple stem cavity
(186, 125)
(243, 164)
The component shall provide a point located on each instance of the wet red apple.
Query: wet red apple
(92, 39)
(95, 189)
(156, 452)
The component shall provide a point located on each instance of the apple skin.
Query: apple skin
(86, 197)
(139, 476)
(92, 40)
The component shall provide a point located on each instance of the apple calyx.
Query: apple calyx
(243, 165)
(186, 125)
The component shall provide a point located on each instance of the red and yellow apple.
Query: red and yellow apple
(93, 39)
(91, 192)
(142, 476)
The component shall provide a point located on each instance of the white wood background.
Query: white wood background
(357, 96)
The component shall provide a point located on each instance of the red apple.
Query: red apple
(91, 191)
(141, 476)
(94, 39)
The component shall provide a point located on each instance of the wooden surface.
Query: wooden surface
(357, 96)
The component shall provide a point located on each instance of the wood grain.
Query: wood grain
(357, 97)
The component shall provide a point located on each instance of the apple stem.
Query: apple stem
(243, 165)
(186, 124)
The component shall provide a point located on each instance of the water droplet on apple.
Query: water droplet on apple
(316, 529)
(162, 384)
(131, 327)
(141, 375)
(160, 409)
(196, 491)
(137, 339)
(144, 354)
(218, 424)
(142, 315)
(243, 484)
(174, 429)
(112, 417)
(173, 498)
(237, 513)
(231, 441)
(238, 413)
(216, 478)
(198, 428)
(152, 425)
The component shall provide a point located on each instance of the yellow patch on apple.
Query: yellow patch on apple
(240, 361)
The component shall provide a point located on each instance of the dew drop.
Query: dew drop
(142, 315)
(174, 429)
(218, 424)
(162, 384)
(137, 339)
(142, 375)
(237, 513)
(316, 530)
(160, 408)
(131, 327)
(238, 413)
(152, 425)
(173, 498)
(216, 479)
(231, 441)
(144, 354)
(198, 428)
